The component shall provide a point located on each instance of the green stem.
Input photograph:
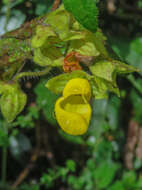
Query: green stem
(4, 165)
(7, 15)
(4, 158)
(31, 74)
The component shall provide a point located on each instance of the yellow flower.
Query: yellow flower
(78, 86)
(72, 110)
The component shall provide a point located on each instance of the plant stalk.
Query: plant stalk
(4, 157)
(4, 165)
(31, 74)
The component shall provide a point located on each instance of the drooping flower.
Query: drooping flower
(72, 110)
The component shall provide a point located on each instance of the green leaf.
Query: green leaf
(42, 34)
(77, 183)
(104, 174)
(24, 121)
(55, 18)
(28, 119)
(139, 183)
(128, 50)
(122, 68)
(47, 180)
(62, 172)
(91, 164)
(92, 44)
(104, 69)
(129, 179)
(75, 35)
(117, 186)
(109, 69)
(136, 45)
(84, 11)
(70, 164)
(48, 56)
(72, 139)
(58, 83)
(85, 47)
(100, 42)
(65, 31)
(105, 73)
(100, 87)
(113, 112)
(46, 101)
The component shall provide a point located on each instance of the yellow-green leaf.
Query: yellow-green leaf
(57, 84)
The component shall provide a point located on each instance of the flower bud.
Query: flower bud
(12, 101)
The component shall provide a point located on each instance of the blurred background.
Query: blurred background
(109, 156)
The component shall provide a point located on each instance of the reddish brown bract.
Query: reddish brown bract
(71, 63)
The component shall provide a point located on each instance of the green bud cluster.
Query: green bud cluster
(12, 100)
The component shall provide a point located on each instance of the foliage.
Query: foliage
(96, 160)
(85, 12)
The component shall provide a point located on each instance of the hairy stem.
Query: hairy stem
(31, 74)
